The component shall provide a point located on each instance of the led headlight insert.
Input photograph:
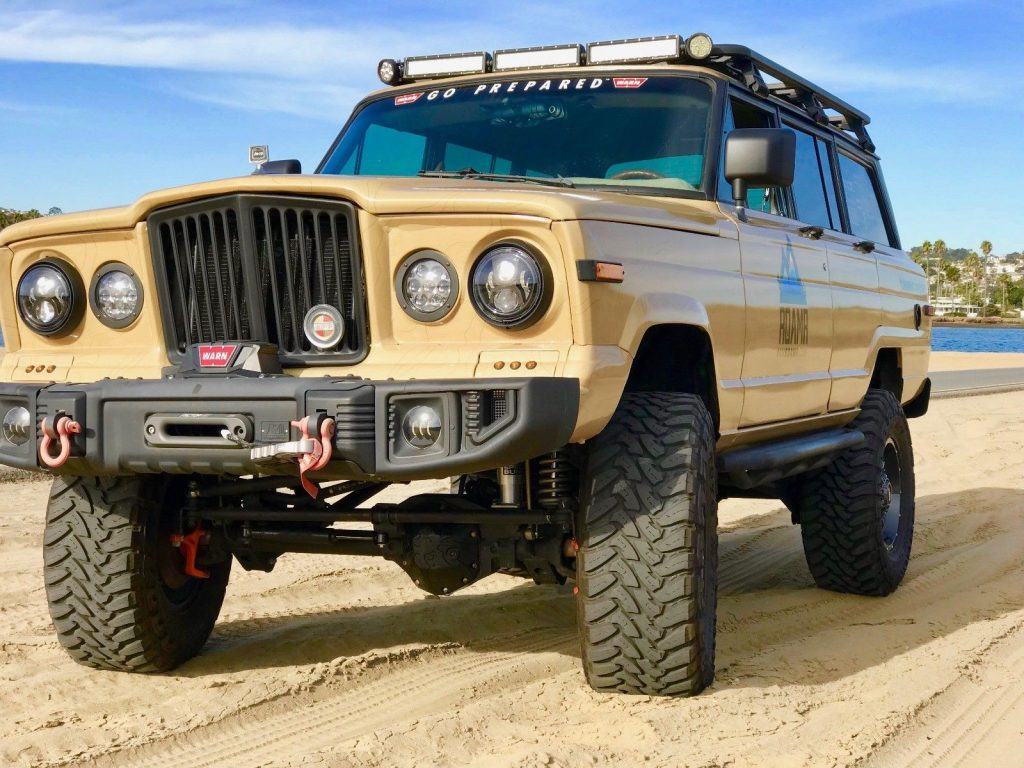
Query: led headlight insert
(50, 297)
(116, 295)
(427, 286)
(509, 286)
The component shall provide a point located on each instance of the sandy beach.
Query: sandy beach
(343, 662)
(967, 361)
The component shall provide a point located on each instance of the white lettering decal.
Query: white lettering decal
(480, 89)
(580, 83)
(496, 88)
(451, 92)
(432, 95)
(511, 87)
(546, 86)
(529, 85)
(564, 85)
(597, 82)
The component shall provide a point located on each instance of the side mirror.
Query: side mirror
(756, 158)
(278, 166)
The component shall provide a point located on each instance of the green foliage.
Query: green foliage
(9, 216)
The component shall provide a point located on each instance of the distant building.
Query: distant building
(954, 305)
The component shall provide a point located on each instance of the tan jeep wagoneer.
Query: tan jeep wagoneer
(602, 287)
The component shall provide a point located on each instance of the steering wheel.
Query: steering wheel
(638, 174)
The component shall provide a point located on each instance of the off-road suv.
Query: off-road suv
(603, 287)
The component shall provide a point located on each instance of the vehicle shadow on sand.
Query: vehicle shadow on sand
(966, 568)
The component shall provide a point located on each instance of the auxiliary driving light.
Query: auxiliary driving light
(422, 426)
(443, 66)
(389, 71)
(17, 425)
(698, 46)
(538, 58)
(640, 50)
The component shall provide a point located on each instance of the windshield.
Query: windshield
(647, 133)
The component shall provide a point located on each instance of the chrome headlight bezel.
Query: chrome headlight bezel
(72, 314)
(408, 263)
(94, 300)
(536, 303)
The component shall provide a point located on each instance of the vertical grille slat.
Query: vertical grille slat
(233, 267)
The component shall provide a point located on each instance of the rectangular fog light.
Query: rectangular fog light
(538, 58)
(637, 50)
(442, 66)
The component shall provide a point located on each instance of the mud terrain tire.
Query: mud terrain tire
(647, 566)
(855, 540)
(112, 599)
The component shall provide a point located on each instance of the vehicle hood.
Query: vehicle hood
(385, 196)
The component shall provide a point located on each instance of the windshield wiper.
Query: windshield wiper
(470, 173)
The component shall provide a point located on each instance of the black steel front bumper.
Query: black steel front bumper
(172, 424)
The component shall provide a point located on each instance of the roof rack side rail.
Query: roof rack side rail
(751, 66)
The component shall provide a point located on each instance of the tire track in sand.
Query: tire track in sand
(305, 723)
(959, 721)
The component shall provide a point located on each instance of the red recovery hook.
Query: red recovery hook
(189, 546)
(61, 431)
(322, 436)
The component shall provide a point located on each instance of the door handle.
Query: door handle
(864, 246)
(814, 233)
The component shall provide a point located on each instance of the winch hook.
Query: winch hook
(59, 427)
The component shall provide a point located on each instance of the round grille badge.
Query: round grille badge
(324, 326)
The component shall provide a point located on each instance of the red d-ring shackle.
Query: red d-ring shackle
(61, 431)
(320, 456)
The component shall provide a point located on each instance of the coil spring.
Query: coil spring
(556, 480)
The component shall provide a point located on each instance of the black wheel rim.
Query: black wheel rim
(890, 493)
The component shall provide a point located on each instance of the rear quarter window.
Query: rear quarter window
(862, 204)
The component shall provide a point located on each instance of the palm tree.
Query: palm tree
(986, 248)
(973, 270)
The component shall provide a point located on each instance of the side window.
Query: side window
(825, 155)
(741, 114)
(808, 183)
(862, 206)
(394, 153)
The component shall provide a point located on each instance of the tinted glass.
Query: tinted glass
(862, 201)
(643, 132)
(825, 155)
(808, 186)
(740, 114)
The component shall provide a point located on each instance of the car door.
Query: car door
(789, 304)
(853, 277)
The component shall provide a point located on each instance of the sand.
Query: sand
(968, 361)
(343, 662)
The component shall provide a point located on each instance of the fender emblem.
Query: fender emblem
(216, 355)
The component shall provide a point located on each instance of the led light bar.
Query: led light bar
(443, 66)
(538, 58)
(643, 49)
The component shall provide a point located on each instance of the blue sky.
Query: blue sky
(101, 102)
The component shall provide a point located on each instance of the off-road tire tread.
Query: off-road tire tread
(839, 508)
(101, 579)
(648, 559)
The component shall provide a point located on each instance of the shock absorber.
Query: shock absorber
(557, 481)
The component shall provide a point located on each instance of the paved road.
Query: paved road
(980, 381)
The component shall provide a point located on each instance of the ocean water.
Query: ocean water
(959, 339)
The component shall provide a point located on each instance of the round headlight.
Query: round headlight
(116, 295)
(508, 286)
(426, 285)
(698, 46)
(48, 297)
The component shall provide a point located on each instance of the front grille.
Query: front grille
(250, 267)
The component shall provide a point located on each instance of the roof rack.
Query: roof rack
(750, 66)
